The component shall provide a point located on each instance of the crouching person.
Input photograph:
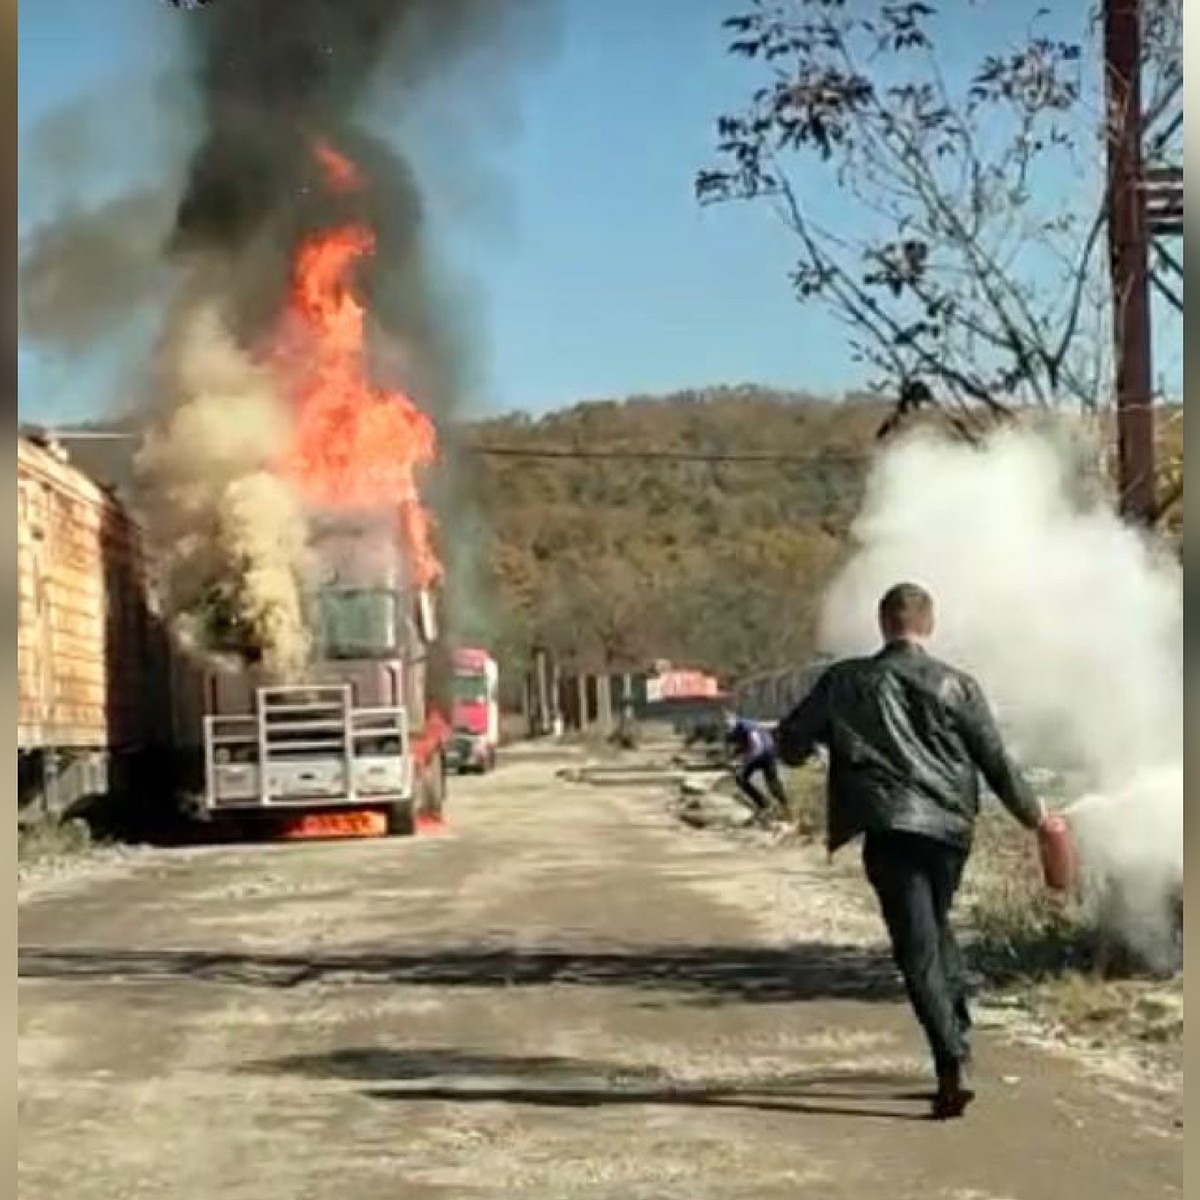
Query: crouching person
(755, 754)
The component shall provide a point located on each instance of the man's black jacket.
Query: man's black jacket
(907, 737)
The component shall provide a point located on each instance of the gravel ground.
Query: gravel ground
(42, 874)
(567, 994)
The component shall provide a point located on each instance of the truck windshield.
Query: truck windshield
(470, 688)
(356, 623)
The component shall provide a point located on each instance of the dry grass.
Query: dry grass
(806, 796)
(1041, 951)
(48, 840)
(1088, 1007)
(1020, 932)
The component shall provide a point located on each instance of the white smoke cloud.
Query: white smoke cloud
(223, 522)
(1071, 620)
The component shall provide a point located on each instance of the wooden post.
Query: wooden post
(541, 682)
(581, 685)
(604, 708)
(556, 689)
(1128, 242)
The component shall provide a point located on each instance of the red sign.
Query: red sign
(681, 685)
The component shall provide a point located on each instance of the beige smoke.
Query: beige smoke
(1073, 622)
(230, 532)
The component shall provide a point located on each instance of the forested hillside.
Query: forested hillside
(616, 560)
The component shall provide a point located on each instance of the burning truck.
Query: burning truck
(356, 743)
(314, 577)
(307, 340)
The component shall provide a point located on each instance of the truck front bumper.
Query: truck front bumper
(316, 784)
(467, 752)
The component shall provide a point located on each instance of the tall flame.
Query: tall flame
(356, 446)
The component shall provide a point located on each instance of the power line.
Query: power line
(86, 435)
(683, 456)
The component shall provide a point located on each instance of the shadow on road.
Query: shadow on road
(448, 1076)
(701, 974)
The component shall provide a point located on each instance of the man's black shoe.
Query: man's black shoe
(952, 1097)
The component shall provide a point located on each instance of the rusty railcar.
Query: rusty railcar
(93, 659)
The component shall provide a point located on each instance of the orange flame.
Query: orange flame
(357, 446)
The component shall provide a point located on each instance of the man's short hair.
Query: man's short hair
(905, 607)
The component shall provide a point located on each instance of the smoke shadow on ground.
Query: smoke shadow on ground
(698, 975)
(445, 1075)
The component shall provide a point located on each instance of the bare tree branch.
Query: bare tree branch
(958, 260)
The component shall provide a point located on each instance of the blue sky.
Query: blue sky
(589, 269)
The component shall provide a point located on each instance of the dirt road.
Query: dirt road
(564, 995)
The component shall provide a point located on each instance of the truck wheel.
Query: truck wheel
(433, 788)
(401, 819)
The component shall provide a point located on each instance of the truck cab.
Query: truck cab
(358, 732)
(476, 711)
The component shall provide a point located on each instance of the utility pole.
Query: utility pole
(1128, 240)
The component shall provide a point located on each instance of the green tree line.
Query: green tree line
(611, 562)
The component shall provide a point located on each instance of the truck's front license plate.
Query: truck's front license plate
(352, 823)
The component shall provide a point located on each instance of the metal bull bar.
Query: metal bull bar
(306, 746)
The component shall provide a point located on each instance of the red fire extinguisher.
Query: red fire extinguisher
(1057, 852)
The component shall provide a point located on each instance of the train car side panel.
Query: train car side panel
(89, 675)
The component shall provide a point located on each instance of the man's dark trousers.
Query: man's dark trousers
(916, 879)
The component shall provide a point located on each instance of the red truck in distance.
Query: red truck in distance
(476, 712)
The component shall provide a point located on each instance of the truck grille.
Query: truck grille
(304, 722)
(306, 744)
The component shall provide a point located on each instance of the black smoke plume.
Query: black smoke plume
(259, 83)
(277, 77)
